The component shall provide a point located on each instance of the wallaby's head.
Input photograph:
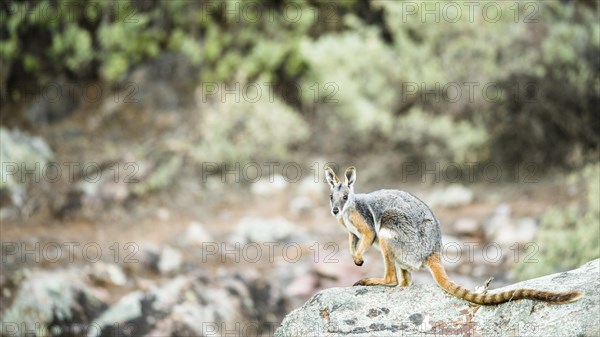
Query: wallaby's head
(342, 194)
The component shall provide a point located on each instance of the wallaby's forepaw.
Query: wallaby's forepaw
(358, 260)
(376, 282)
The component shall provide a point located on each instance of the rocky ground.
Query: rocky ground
(422, 310)
(102, 258)
(239, 269)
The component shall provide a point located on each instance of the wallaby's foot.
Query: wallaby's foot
(405, 283)
(406, 278)
(376, 282)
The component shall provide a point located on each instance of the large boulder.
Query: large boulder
(50, 303)
(24, 171)
(425, 310)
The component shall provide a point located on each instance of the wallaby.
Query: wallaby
(408, 235)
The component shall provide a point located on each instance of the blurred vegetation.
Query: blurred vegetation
(243, 139)
(372, 75)
(569, 236)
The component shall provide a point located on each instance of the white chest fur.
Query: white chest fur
(345, 219)
(349, 225)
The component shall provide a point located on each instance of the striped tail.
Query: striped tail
(438, 272)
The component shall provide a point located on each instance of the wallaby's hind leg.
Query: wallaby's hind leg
(390, 278)
(406, 278)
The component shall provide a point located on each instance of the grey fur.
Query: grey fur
(410, 227)
(406, 231)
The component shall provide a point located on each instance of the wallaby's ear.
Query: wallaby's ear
(330, 176)
(350, 176)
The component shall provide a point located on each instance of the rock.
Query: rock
(519, 231)
(148, 256)
(465, 226)
(54, 102)
(301, 206)
(207, 309)
(500, 218)
(192, 319)
(505, 231)
(97, 189)
(168, 294)
(426, 310)
(162, 328)
(313, 188)
(103, 273)
(302, 286)
(157, 86)
(269, 186)
(162, 175)
(128, 308)
(454, 195)
(252, 229)
(310, 193)
(170, 260)
(20, 152)
(46, 299)
(163, 214)
(195, 235)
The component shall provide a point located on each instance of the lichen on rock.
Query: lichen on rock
(426, 310)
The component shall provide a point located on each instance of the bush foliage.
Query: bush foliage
(568, 237)
(518, 88)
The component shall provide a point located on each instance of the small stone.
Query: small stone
(166, 295)
(454, 195)
(313, 189)
(425, 326)
(416, 319)
(518, 231)
(195, 235)
(500, 219)
(163, 214)
(170, 260)
(305, 285)
(301, 205)
(162, 328)
(107, 273)
(269, 186)
(373, 313)
(148, 256)
(252, 229)
(466, 226)
(128, 308)
(191, 319)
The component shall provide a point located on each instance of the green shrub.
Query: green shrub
(369, 101)
(542, 65)
(353, 70)
(568, 237)
(254, 131)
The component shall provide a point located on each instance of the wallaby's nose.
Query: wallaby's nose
(335, 210)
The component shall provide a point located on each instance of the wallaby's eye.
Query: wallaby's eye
(331, 197)
(345, 196)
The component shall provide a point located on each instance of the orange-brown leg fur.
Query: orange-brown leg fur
(390, 278)
(367, 239)
(352, 241)
(406, 278)
(365, 242)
